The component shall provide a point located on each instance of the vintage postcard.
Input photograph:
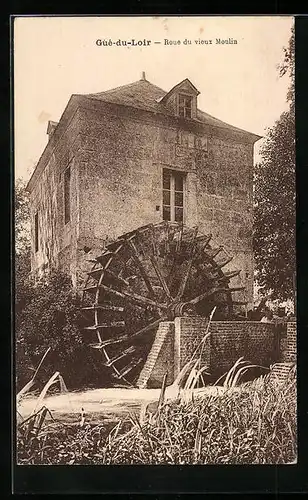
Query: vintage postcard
(155, 318)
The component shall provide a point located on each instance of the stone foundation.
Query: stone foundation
(160, 359)
(280, 371)
(260, 343)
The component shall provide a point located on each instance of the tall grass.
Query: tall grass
(254, 423)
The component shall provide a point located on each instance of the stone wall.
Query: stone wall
(224, 194)
(287, 354)
(121, 158)
(118, 185)
(176, 342)
(281, 371)
(57, 240)
(160, 359)
(189, 332)
(255, 341)
(227, 342)
(117, 155)
(290, 353)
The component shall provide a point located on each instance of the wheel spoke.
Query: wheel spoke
(96, 274)
(224, 263)
(179, 239)
(114, 324)
(90, 289)
(104, 307)
(129, 367)
(188, 268)
(149, 275)
(115, 245)
(126, 352)
(133, 297)
(141, 268)
(236, 288)
(125, 337)
(205, 295)
(104, 257)
(213, 252)
(204, 238)
(231, 274)
(160, 276)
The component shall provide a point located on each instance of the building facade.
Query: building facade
(133, 155)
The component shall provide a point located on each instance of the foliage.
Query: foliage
(275, 200)
(22, 217)
(23, 280)
(22, 244)
(50, 316)
(251, 424)
(47, 314)
(288, 65)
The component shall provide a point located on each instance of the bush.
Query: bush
(48, 315)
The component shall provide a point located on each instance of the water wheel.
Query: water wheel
(152, 274)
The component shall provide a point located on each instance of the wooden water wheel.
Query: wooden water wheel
(149, 275)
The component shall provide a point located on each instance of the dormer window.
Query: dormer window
(182, 100)
(185, 106)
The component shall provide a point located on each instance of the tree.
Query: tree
(48, 314)
(288, 67)
(22, 215)
(22, 245)
(275, 199)
(52, 318)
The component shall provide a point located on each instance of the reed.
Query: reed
(251, 423)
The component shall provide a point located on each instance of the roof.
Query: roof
(140, 95)
(181, 86)
(147, 96)
(51, 127)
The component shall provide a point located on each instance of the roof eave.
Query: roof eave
(70, 108)
(228, 128)
(256, 137)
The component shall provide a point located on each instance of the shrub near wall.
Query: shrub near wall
(50, 317)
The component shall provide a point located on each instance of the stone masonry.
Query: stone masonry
(287, 351)
(117, 144)
(160, 360)
(228, 341)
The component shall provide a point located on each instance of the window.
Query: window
(185, 106)
(36, 232)
(67, 201)
(173, 196)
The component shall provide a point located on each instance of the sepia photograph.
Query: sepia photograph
(155, 252)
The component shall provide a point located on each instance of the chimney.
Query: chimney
(51, 128)
(143, 76)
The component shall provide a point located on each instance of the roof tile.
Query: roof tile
(145, 95)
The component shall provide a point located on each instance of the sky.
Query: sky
(55, 57)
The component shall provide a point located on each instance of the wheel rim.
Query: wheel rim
(149, 275)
